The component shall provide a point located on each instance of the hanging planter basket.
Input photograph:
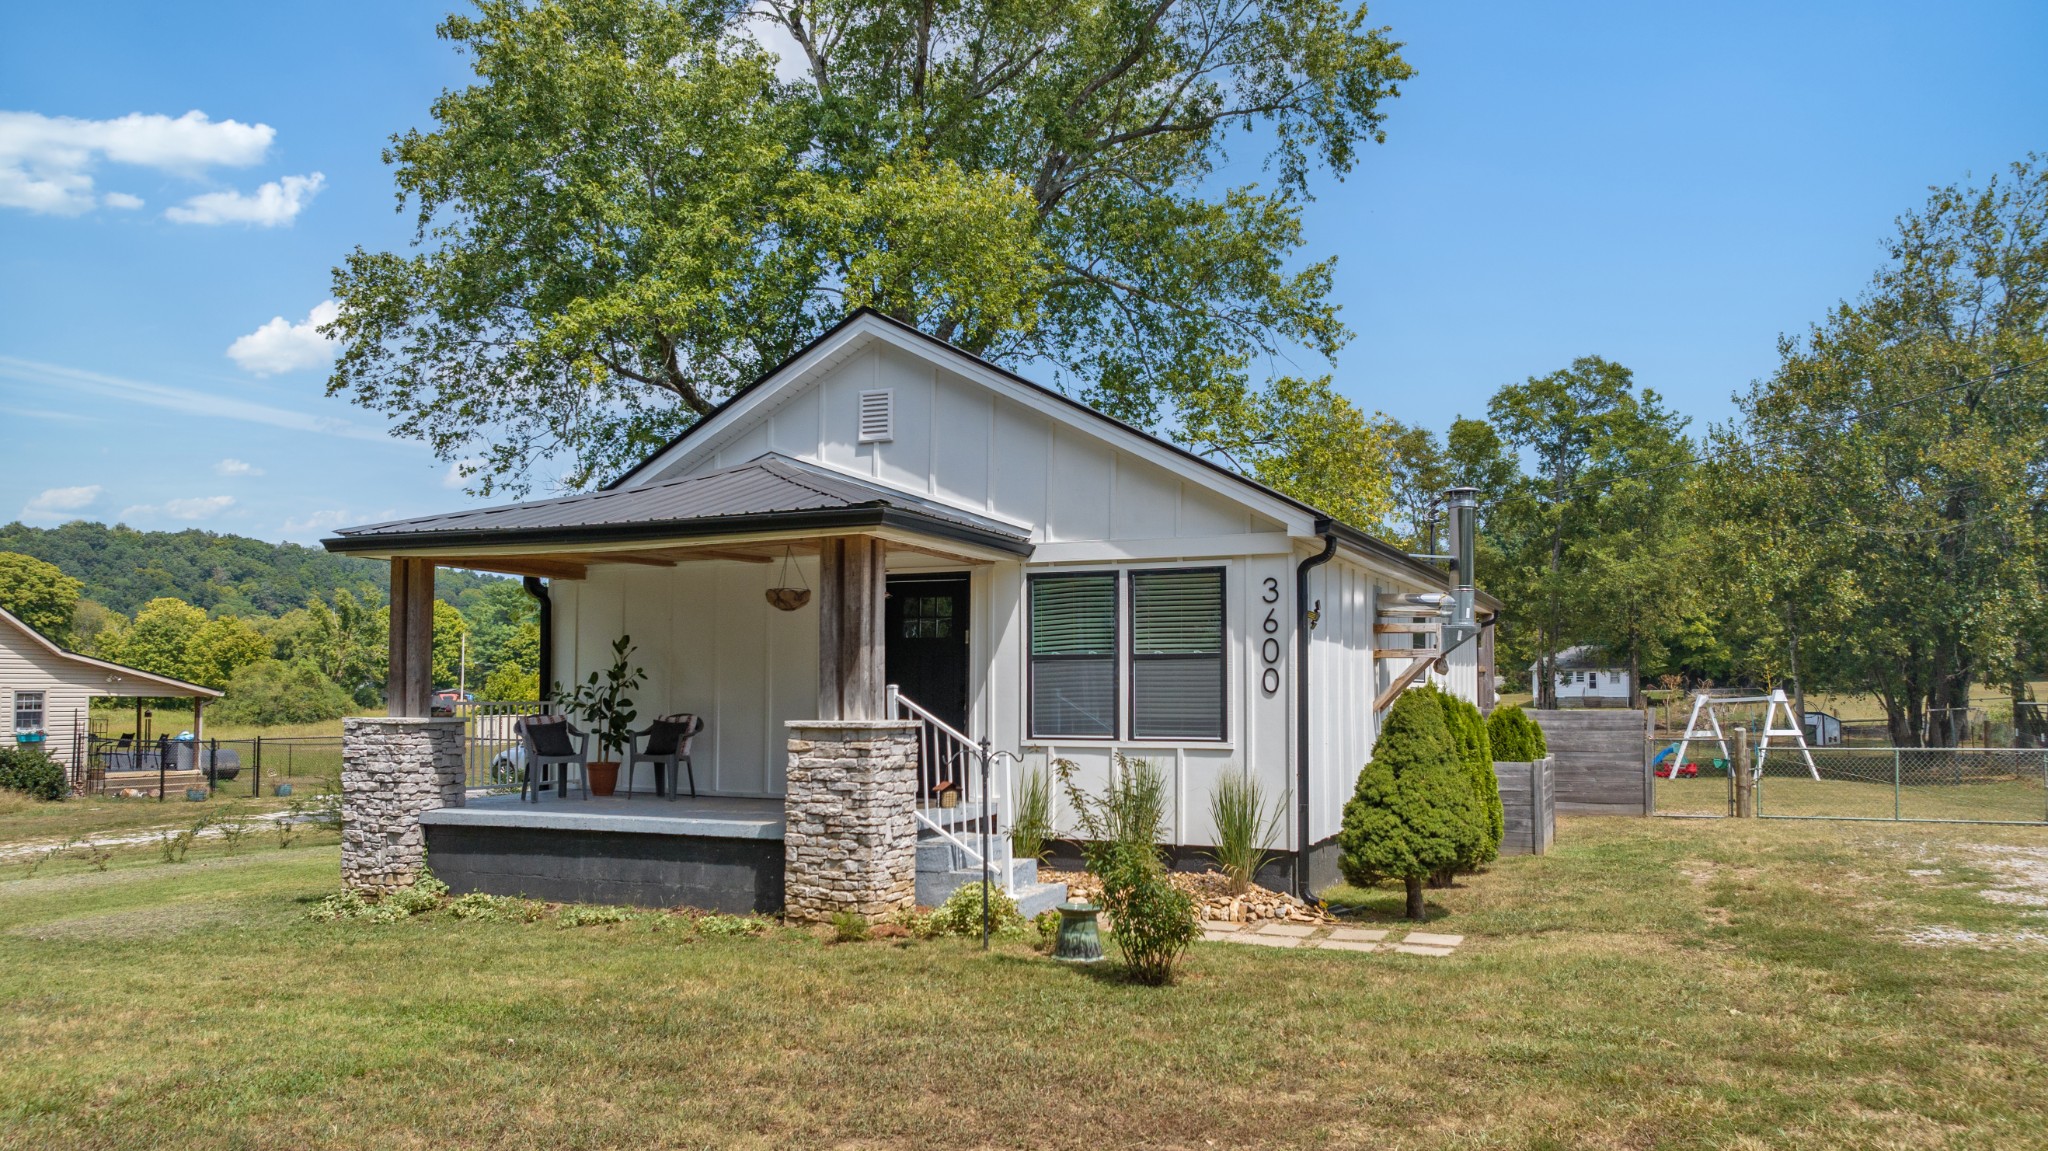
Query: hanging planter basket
(787, 597)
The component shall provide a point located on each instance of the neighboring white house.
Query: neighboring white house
(47, 690)
(1585, 678)
(1057, 582)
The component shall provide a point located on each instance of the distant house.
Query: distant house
(1585, 678)
(47, 690)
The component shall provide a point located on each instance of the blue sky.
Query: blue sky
(1667, 186)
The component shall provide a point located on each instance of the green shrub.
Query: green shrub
(1475, 752)
(1516, 738)
(1152, 921)
(961, 913)
(270, 692)
(849, 927)
(1244, 827)
(1031, 830)
(30, 770)
(481, 908)
(1413, 813)
(728, 926)
(423, 896)
(592, 915)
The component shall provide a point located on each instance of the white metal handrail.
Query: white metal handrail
(950, 766)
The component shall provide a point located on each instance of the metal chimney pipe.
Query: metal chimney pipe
(1464, 508)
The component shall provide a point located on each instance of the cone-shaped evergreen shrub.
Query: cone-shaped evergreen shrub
(1516, 738)
(1413, 812)
(1475, 751)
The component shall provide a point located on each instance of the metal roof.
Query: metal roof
(768, 492)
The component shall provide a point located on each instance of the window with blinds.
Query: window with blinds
(1177, 664)
(1073, 655)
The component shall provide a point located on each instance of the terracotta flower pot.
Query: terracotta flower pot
(604, 777)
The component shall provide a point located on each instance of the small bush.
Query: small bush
(1515, 737)
(31, 771)
(961, 913)
(1474, 749)
(848, 927)
(592, 915)
(234, 832)
(1244, 827)
(172, 846)
(728, 926)
(1046, 925)
(1413, 813)
(350, 906)
(1152, 921)
(481, 908)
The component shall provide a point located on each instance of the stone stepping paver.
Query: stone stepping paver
(1358, 934)
(1347, 945)
(1418, 949)
(1429, 939)
(1298, 930)
(1264, 940)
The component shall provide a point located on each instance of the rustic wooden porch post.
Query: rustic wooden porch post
(409, 681)
(852, 581)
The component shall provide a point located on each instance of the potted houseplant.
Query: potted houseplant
(601, 703)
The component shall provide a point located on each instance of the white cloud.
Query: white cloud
(277, 202)
(185, 401)
(192, 508)
(282, 346)
(55, 502)
(46, 162)
(235, 467)
(121, 200)
(458, 473)
(316, 522)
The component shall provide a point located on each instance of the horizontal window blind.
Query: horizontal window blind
(1073, 655)
(1177, 663)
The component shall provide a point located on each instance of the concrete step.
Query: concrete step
(934, 887)
(937, 853)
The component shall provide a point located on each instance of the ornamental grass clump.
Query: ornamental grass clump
(1467, 729)
(1244, 828)
(1152, 921)
(1031, 832)
(1516, 738)
(1413, 813)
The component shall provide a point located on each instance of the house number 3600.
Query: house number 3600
(1269, 650)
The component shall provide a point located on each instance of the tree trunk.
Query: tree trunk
(1415, 909)
(1798, 685)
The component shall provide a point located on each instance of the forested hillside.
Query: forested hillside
(225, 574)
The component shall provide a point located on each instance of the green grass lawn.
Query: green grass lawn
(1651, 983)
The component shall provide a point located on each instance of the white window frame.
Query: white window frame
(42, 711)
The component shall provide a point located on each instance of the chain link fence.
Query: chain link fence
(1956, 785)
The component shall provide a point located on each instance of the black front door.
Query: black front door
(927, 643)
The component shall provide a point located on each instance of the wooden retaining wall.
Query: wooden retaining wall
(1528, 797)
(1599, 756)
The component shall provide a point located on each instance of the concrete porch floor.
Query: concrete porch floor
(708, 816)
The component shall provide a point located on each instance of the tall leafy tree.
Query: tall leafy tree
(628, 215)
(39, 595)
(1908, 437)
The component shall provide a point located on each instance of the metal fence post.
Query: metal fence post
(1745, 783)
(1898, 777)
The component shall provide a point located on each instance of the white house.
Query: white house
(1585, 678)
(48, 691)
(1049, 579)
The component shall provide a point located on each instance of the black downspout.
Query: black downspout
(1301, 629)
(539, 591)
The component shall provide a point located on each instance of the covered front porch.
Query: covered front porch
(758, 599)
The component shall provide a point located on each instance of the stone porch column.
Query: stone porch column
(392, 769)
(850, 836)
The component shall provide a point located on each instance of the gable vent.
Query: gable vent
(877, 416)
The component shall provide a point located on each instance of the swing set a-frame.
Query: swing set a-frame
(1706, 705)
